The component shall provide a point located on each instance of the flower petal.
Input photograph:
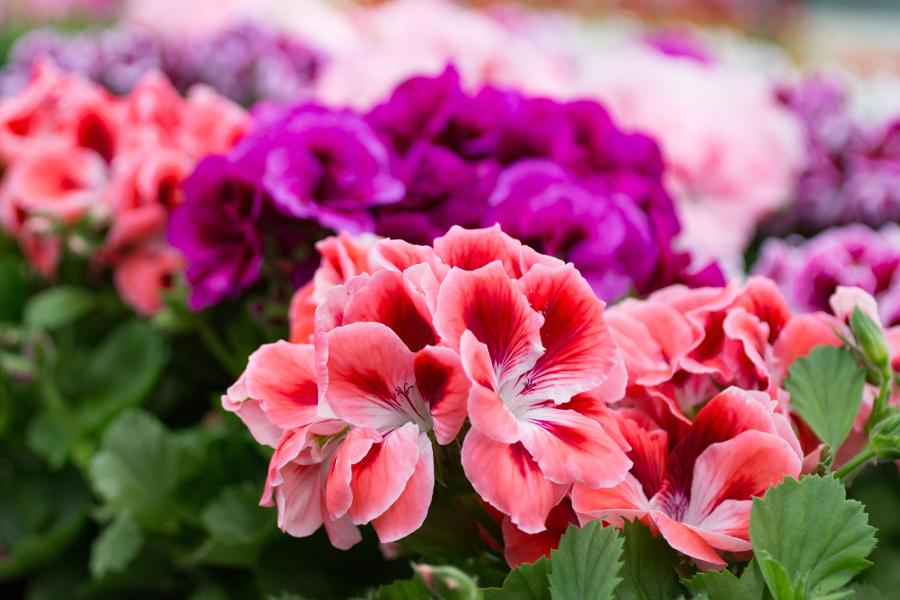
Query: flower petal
(580, 352)
(444, 388)
(471, 249)
(488, 303)
(571, 448)
(367, 368)
(738, 469)
(508, 478)
(380, 477)
(388, 299)
(409, 511)
(298, 499)
(282, 377)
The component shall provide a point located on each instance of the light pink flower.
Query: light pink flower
(726, 172)
(696, 489)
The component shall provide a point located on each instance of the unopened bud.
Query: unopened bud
(885, 437)
(871, 340)
(448, 583)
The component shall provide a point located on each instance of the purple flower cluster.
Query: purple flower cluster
(810, 271)
(245, 62)
(559, 176)
(853, 172)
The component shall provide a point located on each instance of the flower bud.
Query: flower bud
(448, 583)
(871, 339)
(885, 437)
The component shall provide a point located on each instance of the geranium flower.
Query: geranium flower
(696, 489)
(529, 345)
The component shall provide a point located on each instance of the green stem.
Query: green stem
(218, 348)
(878, 408)
(856, 462)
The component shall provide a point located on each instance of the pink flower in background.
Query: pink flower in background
(76, 156)
(733, 152)
(696, 490)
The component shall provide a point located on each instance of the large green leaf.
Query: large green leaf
(116, 546)
(587, 563)
(649, 570)
(812, 530)
(122, 371)
(826, 390)
(139, 468)
(725, 585)
(58, 307)
(403, 589)
(526, 582)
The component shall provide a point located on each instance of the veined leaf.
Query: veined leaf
(587, 563)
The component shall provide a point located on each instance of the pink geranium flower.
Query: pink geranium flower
(696, 489)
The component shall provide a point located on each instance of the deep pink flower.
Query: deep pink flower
(696, 490)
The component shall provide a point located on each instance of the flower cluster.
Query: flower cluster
(478, 326)
(433, 156)
(853, 170)
(809, 272)
(101, 174)
(570, 407)
(244, 62)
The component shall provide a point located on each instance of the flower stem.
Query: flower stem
(217, 348)
(856, 462)
(878, 408)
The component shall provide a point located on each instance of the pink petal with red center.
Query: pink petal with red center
(471, 249)
(762, 298)
(380, 477)
(282, 377)
(370, 373)
(571, 448)
(444, 387)
(408, 513)
(738, 469)
(728, 526)
(488, 303)
(508, 478)
(579, 350)
(388, 299)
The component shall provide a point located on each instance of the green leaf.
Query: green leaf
(139, 468)
(826, 390)
(649, 570)
(12, 290)
(116, 546)
(725, 585)
(812, 530)
(586, 564)
(235, 516)
(122, 371)
(58, 307)
(778, 580)
(526, 582)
